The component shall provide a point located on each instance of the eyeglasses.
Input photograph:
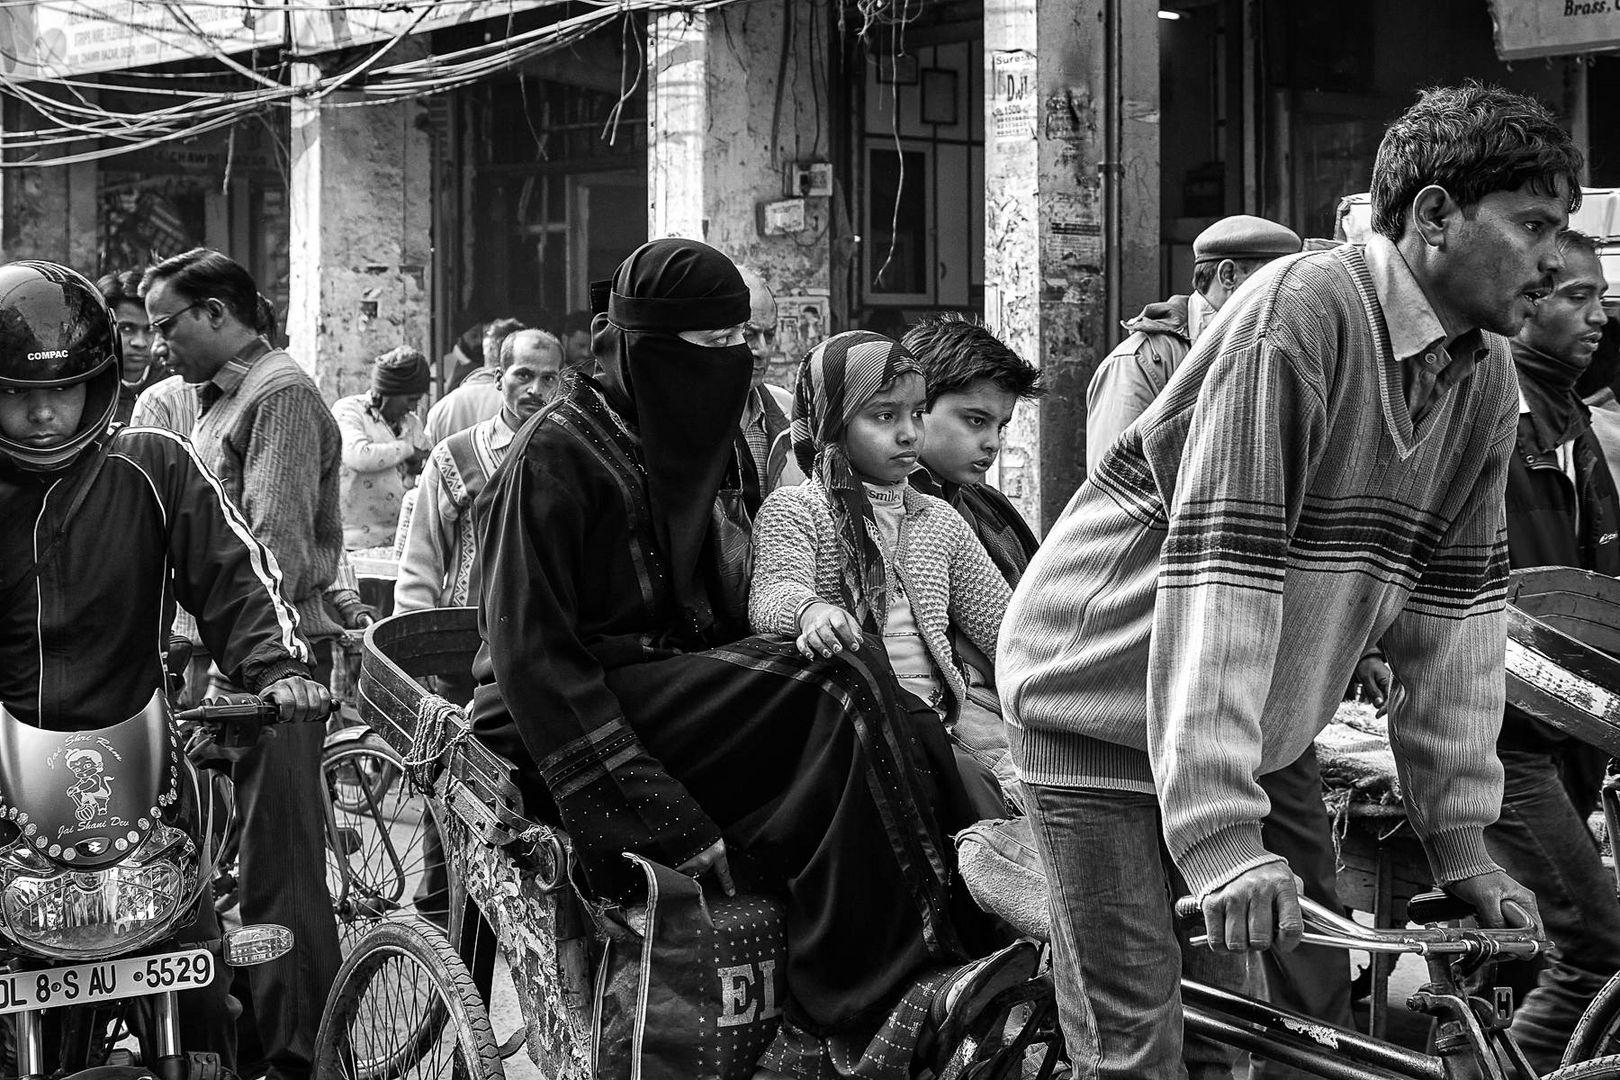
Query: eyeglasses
(161, 326)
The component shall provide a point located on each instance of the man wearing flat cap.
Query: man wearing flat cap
(384, 445)
(1131, 376)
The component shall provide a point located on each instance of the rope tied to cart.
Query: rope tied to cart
(440, 728)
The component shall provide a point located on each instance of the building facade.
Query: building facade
(393, 177)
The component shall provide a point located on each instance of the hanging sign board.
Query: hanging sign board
(62, 38)
(1526, 28)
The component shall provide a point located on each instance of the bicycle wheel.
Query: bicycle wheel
(405, 1008)
(1598, 1033)
(1603, 1068)
(376, 834)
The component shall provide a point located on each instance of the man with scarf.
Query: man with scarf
(612, 611)
(1562, 510)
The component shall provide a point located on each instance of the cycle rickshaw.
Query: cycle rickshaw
(408, 1002)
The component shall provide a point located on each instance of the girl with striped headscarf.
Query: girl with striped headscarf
(856, 555)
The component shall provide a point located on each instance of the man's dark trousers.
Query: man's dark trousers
(1542, 838)
(282, 869)
(1312, 980)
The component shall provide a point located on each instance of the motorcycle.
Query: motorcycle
(108, 838)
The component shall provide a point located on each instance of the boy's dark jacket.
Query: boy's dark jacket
(995, 521)
(1554, 522)
(82, 644)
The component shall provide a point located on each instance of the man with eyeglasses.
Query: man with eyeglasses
(766, 412)
(122, 291)
(264, 430)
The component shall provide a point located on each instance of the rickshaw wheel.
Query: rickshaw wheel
(1598, 1033)
(404, 1007)
(376, 849)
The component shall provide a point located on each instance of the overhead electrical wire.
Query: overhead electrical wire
(368, 82)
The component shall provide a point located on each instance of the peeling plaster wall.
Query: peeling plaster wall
(50, 213)
(361, 241)
(714, 104)
(1045, 218)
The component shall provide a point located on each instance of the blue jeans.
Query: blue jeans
(1542, 841)
(1117, 955)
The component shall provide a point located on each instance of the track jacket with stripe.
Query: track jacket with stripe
(82, 643)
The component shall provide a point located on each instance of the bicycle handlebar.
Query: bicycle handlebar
(1329, 928)
(235, 707)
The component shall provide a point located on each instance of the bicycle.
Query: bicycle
(1471, 1037)
(376, 821)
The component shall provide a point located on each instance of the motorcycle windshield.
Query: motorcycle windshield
(85, 798)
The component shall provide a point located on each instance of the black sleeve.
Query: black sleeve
(536, 534)
(222, 574)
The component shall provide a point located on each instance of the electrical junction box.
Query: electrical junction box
(782, 217)
(808, 180)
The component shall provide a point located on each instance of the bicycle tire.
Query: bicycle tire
(353, 798)
(1601, 1068)
(1598, 1032)
(376, 836)
(361, 1040)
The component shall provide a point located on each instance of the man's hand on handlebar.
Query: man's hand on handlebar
(713, 858)
(1500, 902)
(298, 700)
(1258, 909)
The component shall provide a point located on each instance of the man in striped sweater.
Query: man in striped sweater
(1325, 469)
(263, 429)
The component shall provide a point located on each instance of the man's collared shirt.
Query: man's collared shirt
(1416, 336)
(228, 379)
(1200, 313)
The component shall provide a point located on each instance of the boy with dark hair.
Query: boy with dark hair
(974, 382)
(1326, 469)
(122, 291)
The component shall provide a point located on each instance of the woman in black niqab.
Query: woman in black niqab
(594, 550)
(651, 348)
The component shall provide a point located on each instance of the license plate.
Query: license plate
(110, 980)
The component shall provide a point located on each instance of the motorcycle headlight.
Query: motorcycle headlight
(84, 914)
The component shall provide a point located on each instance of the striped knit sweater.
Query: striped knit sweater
(272, 442)
(1195, 614)
(948, 575)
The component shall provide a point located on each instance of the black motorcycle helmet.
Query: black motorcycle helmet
(56, 330)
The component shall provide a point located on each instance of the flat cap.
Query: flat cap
(1244, 236)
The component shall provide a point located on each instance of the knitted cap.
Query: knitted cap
(402, 372)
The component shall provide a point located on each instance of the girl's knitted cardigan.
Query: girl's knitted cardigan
(946, 572)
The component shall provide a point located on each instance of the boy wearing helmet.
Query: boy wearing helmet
(102, 530)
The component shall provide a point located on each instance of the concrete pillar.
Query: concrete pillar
(724, 130)
(361, 234)
(1071, 212)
